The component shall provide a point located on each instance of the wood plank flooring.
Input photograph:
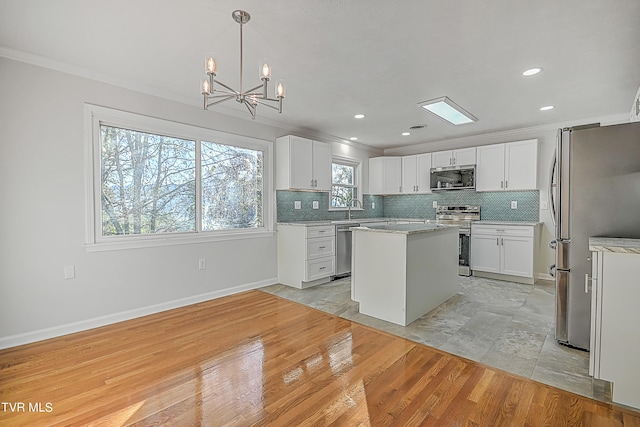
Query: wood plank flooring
(257, 359)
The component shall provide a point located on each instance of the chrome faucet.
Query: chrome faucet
(356, 201)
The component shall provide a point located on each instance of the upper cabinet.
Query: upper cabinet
(463, 156)
(416, 171)
(302, 164)
(510, 166)
(385, 175)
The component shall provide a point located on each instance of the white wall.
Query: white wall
(42, 195)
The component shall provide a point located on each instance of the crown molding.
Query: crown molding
(501, 136)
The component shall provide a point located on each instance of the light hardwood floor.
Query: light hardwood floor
(257, 359)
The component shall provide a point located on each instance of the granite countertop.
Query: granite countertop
(613, 244)
(346, 221)
(404, 228)
(489, 222)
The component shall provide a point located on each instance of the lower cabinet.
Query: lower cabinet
(615, 337)
(503, 249)
(306, 254)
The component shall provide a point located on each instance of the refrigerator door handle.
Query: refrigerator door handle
(552, 270)
(552, 187)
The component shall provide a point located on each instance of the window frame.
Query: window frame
(95, 116)
(357, 180)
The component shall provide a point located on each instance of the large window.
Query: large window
(344, 184)
(154, 179)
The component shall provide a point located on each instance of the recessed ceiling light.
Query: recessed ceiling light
(353, 138)
(546, 108)
(359, 116)
(406, 133)
(531, 71)
(448, 110)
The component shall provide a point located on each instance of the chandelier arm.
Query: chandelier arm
(235, 92)
(259, 101)
(251, 92)
(221, 100)
(226, 95)
(251, 108)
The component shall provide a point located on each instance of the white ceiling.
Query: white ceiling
(342, 57)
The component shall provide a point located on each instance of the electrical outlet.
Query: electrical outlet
(435, 204)
(315, 204)
(544, 205)
(69, 272)
(514, 204)
(373, 205)
(297, 204)
(202, 264)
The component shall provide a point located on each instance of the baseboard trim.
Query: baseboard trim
(544, 276)
(96, 322)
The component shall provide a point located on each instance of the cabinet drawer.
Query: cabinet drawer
(504, 230)
(320, 247)
(321, 231)
(319, 268)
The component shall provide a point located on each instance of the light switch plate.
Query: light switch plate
(297, 204)
(514, 204)
(373, 205)
(544, 205)
(316, 204)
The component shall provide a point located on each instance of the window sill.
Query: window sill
(137, 243)
(345, 210)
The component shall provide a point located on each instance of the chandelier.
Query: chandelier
(250, 98)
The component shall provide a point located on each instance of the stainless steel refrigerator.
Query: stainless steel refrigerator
(594, 191)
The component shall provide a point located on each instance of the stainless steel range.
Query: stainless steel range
(462, 216)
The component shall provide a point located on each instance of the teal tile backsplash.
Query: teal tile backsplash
(495, 205)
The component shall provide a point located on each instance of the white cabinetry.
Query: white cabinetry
(416, 174)
(463, 156)
(306, 254)
(503, 249)
(385, 175)
(302, 164)
(615, 337)
(510, 166)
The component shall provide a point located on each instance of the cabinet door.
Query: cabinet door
(441, 159)
(521, 165)
(392, 175)
(376, 175)
(485, 253)
(517, 256)
(300, 163)
(322, 166)
(424, 173)
(464, 156)
(490, 168)
(409, 174)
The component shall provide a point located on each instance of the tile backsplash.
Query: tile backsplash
(495, 205)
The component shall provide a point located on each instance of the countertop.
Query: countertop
(612, 244)
(404, 228)
(488, 222)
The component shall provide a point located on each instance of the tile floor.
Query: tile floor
(502, 324)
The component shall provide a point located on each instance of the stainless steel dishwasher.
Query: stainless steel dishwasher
(343, 248)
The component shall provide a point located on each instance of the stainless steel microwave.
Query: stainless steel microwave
(453, 178)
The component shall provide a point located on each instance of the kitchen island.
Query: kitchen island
(402, 271)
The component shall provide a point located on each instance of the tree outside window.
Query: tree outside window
(148, 184)
(344, 188)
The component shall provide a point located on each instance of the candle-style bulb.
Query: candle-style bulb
(280, 92)
(206, 88)
(211, 66)
(265, 71)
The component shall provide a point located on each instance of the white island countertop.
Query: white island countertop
(613, 244)
(404, 228)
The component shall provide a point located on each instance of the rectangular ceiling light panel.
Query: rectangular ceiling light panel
(448, 110)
